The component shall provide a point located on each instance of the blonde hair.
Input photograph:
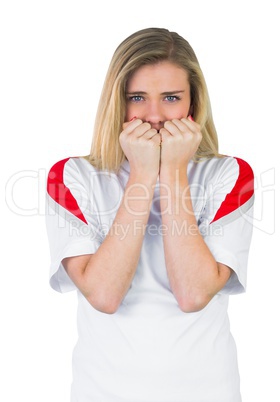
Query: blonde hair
(147, 46)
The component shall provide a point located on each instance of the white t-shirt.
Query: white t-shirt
(149, 350)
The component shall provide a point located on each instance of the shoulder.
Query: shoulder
(226, 166)
(66, 184)
(238, 171)
(234, 178)
(73, 162)
(229, 179)
(78, 174)
(71, 168)
(66, 174)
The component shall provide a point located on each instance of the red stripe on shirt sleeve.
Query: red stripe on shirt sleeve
(61, 193)
(242, 191)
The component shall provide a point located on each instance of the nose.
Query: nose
(155, 115)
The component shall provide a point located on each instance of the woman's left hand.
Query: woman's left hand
(180, 141)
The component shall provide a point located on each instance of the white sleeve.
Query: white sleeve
(72, 228)
(227, 220)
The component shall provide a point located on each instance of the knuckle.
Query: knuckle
(147, 125)
(123, 136)
(199, 135)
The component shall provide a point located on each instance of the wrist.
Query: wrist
(177, 176)
(143, 178)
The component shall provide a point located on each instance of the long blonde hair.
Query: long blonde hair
(147, 46)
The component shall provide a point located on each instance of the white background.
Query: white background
(54, 55)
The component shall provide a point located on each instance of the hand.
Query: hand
(180, 141)
(141, 145)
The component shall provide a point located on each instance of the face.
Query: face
(157, 93)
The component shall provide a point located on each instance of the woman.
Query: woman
(153, 231)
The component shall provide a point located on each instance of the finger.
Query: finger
(144, 130)
(186, 126)
(194, 129)
(138, 130)
(175, 127)
(149, 134)
(186, 122)
(165, 134)
(132, 124)
(191, 123)
(181, 125)
(156, 139)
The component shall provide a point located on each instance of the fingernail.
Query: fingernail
(190, 118)
(133, 118)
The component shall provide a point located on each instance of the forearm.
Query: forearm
(108, 273)
(195, 277)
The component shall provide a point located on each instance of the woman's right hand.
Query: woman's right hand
(141, 146)
(105, 277)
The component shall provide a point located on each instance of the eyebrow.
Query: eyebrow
(163, 93)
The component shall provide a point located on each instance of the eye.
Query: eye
(172, 98)
(135, 98)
